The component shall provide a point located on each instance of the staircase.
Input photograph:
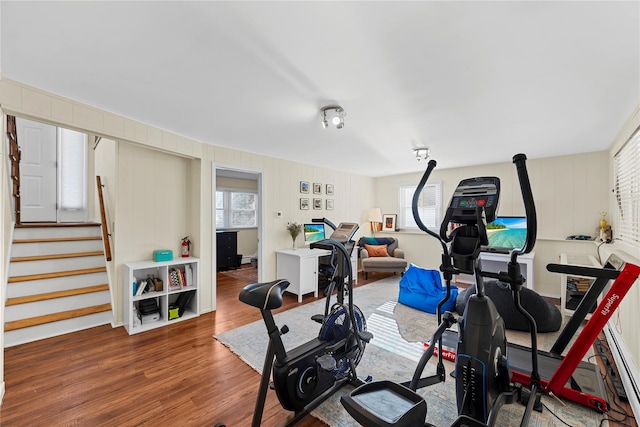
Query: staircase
(57, 282)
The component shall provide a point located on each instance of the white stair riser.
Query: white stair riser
(55, 265)
(34, 287)
(55, 305)
(49, 248)
(35, 333)
(49, 232)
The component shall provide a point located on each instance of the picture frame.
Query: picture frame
(329, 204)
(304, 187)
(317, 203)
(317, 188)
(304, 204)
(329, 189)
(389, 222)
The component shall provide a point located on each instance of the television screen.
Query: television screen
(313, 232)
(507, 232)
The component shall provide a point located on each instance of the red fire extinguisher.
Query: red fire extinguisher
(186, 245)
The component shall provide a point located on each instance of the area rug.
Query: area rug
(399, 332)
(247, 274)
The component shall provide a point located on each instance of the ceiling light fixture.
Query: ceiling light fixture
(421, 153)
(333, 114)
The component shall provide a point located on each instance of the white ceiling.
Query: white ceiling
(477, 81)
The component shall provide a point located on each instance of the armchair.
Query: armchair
(381, 254)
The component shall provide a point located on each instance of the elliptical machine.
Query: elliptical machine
(307, 375)
(482, 376)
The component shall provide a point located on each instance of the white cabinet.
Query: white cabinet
(180, 287)
(300, 268)
(572, 287)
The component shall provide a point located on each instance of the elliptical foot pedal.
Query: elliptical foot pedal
(318, 318)
(385, 403)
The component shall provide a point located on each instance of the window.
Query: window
(236, 209)
(429, 205)
(627, 191)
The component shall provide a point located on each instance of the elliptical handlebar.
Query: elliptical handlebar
(414, 204)
(529, 206)
(325, 221)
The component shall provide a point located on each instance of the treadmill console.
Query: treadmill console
(472, 193)
(344, 232)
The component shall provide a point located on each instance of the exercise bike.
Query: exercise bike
(482, 375)
(307, 375)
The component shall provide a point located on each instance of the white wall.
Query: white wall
(163, 188)
(570, 192)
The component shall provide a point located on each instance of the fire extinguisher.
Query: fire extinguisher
(186, 245)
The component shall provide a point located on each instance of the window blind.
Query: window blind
(73, 160)
(429, 205)
(627, 191)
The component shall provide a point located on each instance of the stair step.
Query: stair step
(57, 294)
(56, 256)
(57, 239)
(29, 277)
(54, 317)
(56, 224)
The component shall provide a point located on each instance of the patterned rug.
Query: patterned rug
(246, 274)
(399, 332)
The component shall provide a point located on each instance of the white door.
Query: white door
(53, 173)
(38, 174)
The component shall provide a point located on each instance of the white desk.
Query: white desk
(496, 263)
(300, 268)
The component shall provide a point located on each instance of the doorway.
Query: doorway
(53, 173)
(234, 213)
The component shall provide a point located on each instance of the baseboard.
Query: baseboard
(628, 370)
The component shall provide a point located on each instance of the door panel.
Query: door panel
(38, 187)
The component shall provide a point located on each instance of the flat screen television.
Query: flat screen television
(313, 233)
(506, 233)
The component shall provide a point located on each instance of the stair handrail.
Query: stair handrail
(105, 224)
(14, 158)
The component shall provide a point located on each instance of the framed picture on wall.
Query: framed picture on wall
(389, 222)
(304, 204)
(317, 203)
(329, 204)
(329, 190)
(317, 188)
(304, 187)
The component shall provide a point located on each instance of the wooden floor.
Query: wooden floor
(177, 375)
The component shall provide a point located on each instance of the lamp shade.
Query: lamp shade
(375, 215)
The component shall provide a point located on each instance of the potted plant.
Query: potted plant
(294, 229)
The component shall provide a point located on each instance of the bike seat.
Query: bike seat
(265, 296)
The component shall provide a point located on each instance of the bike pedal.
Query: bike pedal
(319, 318)
(365, 336)
(326, 362)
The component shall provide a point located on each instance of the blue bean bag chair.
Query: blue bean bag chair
(422, 289)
